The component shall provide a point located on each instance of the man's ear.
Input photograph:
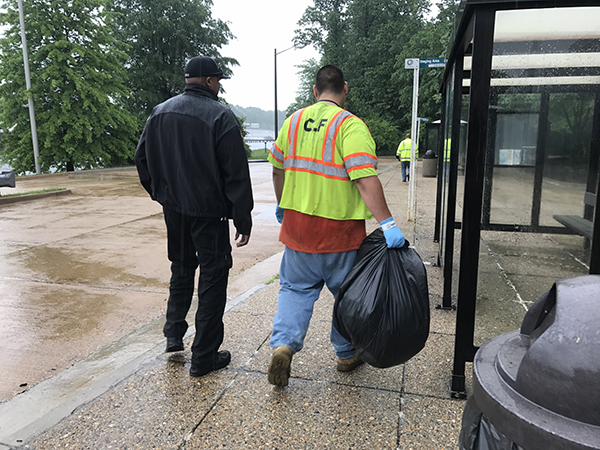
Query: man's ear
(345, 87)
(315, 91)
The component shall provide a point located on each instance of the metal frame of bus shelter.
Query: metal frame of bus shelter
(475, 38)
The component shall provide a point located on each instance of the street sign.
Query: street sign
(416, 64)
(411, 63)
(431, 63)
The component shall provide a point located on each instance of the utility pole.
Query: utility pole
(275, 65)
(34, 139)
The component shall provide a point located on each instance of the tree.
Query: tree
(369, 40)
(571, 118)
(304, 95)
(163, 35)
(323, 26)
(244, 129)
(77, 87)
(433, 39)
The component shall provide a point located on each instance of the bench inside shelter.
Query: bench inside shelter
(578, 224)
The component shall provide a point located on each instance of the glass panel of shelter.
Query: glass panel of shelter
(539, 162)
(445, 161)
(451, 262)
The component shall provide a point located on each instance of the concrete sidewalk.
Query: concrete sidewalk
(128, 394)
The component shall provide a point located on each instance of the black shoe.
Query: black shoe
(174, 345)
(222, 359)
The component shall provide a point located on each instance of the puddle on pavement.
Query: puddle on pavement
(70, 315)
(43, 329)
(34, 313)
(58, 266)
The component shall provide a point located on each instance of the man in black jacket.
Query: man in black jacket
(191, 159)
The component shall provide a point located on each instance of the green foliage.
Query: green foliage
(78, 87)
(571, 118)
(385, 135)
(162, 36)
(272, 279)
(304, 95)
(242, 121)
(323, 26)
(369, 40)
(262, 153)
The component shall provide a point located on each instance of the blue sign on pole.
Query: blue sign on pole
(431, 63)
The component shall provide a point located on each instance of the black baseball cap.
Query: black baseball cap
(203, 66)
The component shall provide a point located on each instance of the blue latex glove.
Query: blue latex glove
(393, 236)
(279, 213)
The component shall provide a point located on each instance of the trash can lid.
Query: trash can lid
(429, 154)
(541, 386)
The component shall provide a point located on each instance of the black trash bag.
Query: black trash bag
(478, 433)
(382, 307)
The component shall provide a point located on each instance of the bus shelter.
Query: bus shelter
(520, 156)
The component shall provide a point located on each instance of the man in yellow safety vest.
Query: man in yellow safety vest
(326, 185)
(403, 155)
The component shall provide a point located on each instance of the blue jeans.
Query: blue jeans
(302, 276)
(405, 166)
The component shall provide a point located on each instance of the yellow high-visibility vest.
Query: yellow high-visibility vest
(322, 149)
(404, 148)
(447, 146)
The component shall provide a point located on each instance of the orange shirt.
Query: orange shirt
(314, 234)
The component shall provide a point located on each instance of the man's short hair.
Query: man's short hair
(330, 79)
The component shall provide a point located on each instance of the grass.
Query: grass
(41, 191)
(260, 154)
(273, 278)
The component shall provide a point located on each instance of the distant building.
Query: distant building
(258, 138)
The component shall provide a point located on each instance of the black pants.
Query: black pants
(193, 242)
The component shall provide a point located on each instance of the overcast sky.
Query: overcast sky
(260, 26)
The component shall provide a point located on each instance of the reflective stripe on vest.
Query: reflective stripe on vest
(360, 161)
(326, 166)
(293, 131)
(331, 134)
(277, 153)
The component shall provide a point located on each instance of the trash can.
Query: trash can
(7, 179)
(539, 388)
(429, 164)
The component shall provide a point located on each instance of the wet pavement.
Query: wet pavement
(84, 280)
(81, 270)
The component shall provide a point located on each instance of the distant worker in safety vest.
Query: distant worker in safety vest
(447, 147)
(403, 155)
(326, 185)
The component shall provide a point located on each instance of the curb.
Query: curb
(27, 197)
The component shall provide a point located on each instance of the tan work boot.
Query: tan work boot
(348, 365)
(280, 366)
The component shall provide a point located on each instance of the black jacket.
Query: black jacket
(191, 158)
